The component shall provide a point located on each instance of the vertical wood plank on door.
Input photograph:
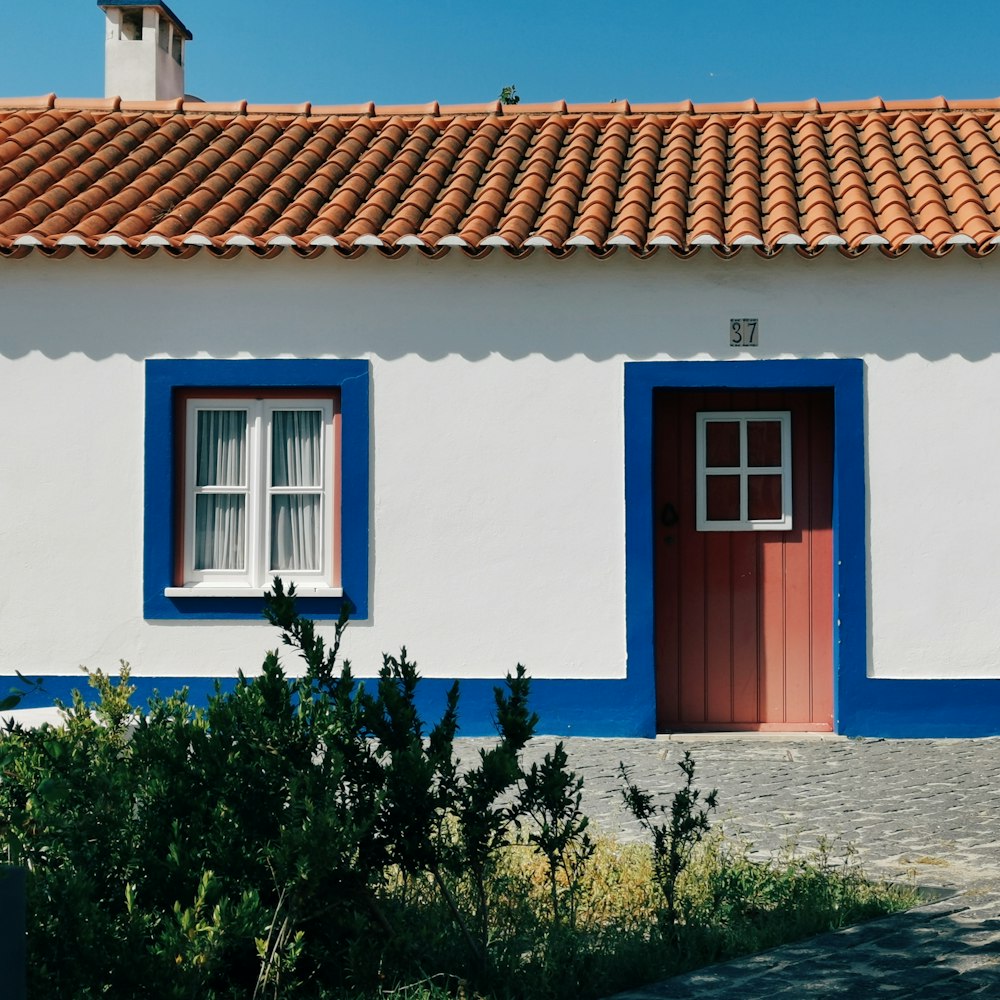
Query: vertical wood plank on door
(692, 568)
(798, 592)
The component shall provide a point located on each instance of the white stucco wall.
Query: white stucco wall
(498, 519)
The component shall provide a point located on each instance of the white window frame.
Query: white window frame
(744, 470)
(257, 577)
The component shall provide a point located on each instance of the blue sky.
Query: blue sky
(392, 51)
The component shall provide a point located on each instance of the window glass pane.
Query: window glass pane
(296, 448)
(722, 496)
(220, 531)
(764, 443)
(295, 532)
(222, 444)
(764, 498)
(722, 444)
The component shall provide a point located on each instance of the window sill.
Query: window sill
(301, 590)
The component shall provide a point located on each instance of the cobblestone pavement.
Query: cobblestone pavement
(927, 807)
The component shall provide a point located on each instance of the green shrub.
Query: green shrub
(313, 838)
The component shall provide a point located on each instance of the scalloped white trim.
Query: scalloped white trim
(494, 241)
(368, 240)
(790, 240)
(451, 241)
(410, 241)
(323, 241)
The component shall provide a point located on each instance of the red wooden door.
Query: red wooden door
(744, 626)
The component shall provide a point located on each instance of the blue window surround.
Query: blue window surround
(163, 379)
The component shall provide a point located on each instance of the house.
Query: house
(693, 410)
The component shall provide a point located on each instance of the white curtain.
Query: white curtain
(296, 461)
(220, 518)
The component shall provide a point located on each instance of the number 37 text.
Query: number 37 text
(743, 333)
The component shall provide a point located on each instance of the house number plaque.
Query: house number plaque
(743, 332)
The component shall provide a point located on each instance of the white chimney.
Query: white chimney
(144, 53)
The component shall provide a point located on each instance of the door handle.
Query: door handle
(668, 515)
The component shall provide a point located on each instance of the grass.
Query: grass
(611, 935)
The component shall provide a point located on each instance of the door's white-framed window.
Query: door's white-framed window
(744, 470)
(259, 495)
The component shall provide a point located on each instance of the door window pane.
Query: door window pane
(763, 444)
(723, 498)
(722, 444)
(764, 498)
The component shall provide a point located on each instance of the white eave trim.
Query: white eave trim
(585, 241)
(451, 241)
(494, 241)
(410, 241)
(916, 240)
(281, 241)
(368, 240)
(112, 241)
(663, 241)
(874, 241)
(960, 239)
(155, 241)
(833, 240)
(621, 241)
(323, 241)
(240, 241)
(27, 241)
(747, 241)
(71, 241)
(537, 241)
(790, 240)
(197, 240)
(705, 240)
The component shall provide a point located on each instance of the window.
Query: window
(255, 469)
(744, 474)
(259, 494)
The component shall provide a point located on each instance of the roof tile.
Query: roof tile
(185, 174)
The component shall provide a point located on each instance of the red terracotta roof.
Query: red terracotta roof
(111, 175)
